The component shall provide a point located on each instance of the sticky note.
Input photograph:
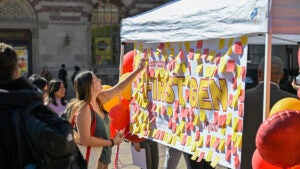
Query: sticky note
(228, 119)
(169, 141)
(230, 42)
(201, 156)
(221, 43)
(197, 56)
(217, 58)
(212, 141)
(222, 66)
(209, 155)
(235, 124)
(215, 161)
(238, 142)
(191, 54)
(161, 135)
(195, 155)
(216, 143)
(228, 155)
(199, 69)
(222, 131)
(155, 131)
(240, 125)
(211, 56)
(222, 145)
(230, 66)
(238, 48)
(200, 142)
(161, 47)
(205, 53)
(241, 110)
(174, 140)
(222, 120)
(196, 120)
(188, 141)
(244, 40)
(199, 44)
(228, 140)
(236, 161)
(193, 147)
(202, 116)
(207, 141)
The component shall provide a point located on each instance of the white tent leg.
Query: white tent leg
(267, 75)
(121, 59)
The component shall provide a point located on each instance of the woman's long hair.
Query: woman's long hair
(54, 86)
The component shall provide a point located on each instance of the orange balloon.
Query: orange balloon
(259, 163)
(114, 101)
(295, 167)
(126, 93)
(288, 103)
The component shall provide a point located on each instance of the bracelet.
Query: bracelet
(112, 142)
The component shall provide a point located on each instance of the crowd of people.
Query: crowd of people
(87, 107)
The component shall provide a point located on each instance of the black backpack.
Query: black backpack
(48, 137)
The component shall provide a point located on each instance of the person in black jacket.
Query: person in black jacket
(16, 93)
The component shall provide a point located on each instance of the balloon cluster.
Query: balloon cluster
(278, 137)
(118, 107)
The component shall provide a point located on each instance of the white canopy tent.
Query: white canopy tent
(186, 20)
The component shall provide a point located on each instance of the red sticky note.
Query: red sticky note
(216, 143)
(163, 110)
(228, 141)
(234, 83)
(191, 54)
(153, 107)
(236, 161)
(230, 99)
(152, 72)
(173, 127)
(181, 54)
(230, 67)
(170, 124)
(216, 115)
(222, 120)
(161, 135)
(161, 47)
(192, 126)
(197, 135)
(153, 120)
(176, 104)
(201, 156)
(191, 114)
(240, 125)
(241, 110)
(183, 141)
(234, 150)
(187, 95)
(184, 112)
(207, 141)
(228, 155)
(187, 127)
(199, 44)
(238, 48)
(217, 58)
(175, 116)
(157, 134)
(205, 53)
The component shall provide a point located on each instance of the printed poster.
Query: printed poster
(191, 97)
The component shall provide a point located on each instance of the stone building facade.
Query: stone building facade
(55, 32)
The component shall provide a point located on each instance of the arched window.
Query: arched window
(105, 31)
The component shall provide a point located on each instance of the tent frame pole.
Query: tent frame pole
(121, 58)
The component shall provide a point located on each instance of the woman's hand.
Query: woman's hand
(119, 137)
(137, 146)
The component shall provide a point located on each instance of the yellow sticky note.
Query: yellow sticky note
(167, 45)
(229, 52)
(235, 124)
(230, 42)
(223, 131)
(141, 48)
(187, 46)
(238, 71)
(136, 130)
(209, 155)
(172, 52)
(169, 111)
(183, 67)
(169, 141)
(212, 141)
(177, 68)
(174, 140)
(195, 155)
(222, 66)
(221, 43)
(196, 120)
(222, 145)
(215, 161)
(211, 55)
(202, 116)
(194, 146)
(181, 125)
(157, 72)
(142, 127)
(166, 136)
(238, 142)
(188, 141)
(209, 71)
(234, 136)
(199, 68)
(234, 103)
(187, 80)
(197, 55)
(244, 40)
(154, 132)
(228, 119)
(200, 142)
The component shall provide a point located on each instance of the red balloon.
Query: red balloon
(127, 64)
(260, 163)
(278, 138)
(120, 117)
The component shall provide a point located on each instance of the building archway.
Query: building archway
(18, 28)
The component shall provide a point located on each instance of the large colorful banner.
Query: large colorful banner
(191, 97)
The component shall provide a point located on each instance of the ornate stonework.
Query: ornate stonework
(12, 11)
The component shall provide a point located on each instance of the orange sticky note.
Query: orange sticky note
(222, 120)
(201, 156)
(241, 110)
(207, 141)
(183, 141)
(197, 135)
(240, 125)
(228, 141)
(238, 48)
